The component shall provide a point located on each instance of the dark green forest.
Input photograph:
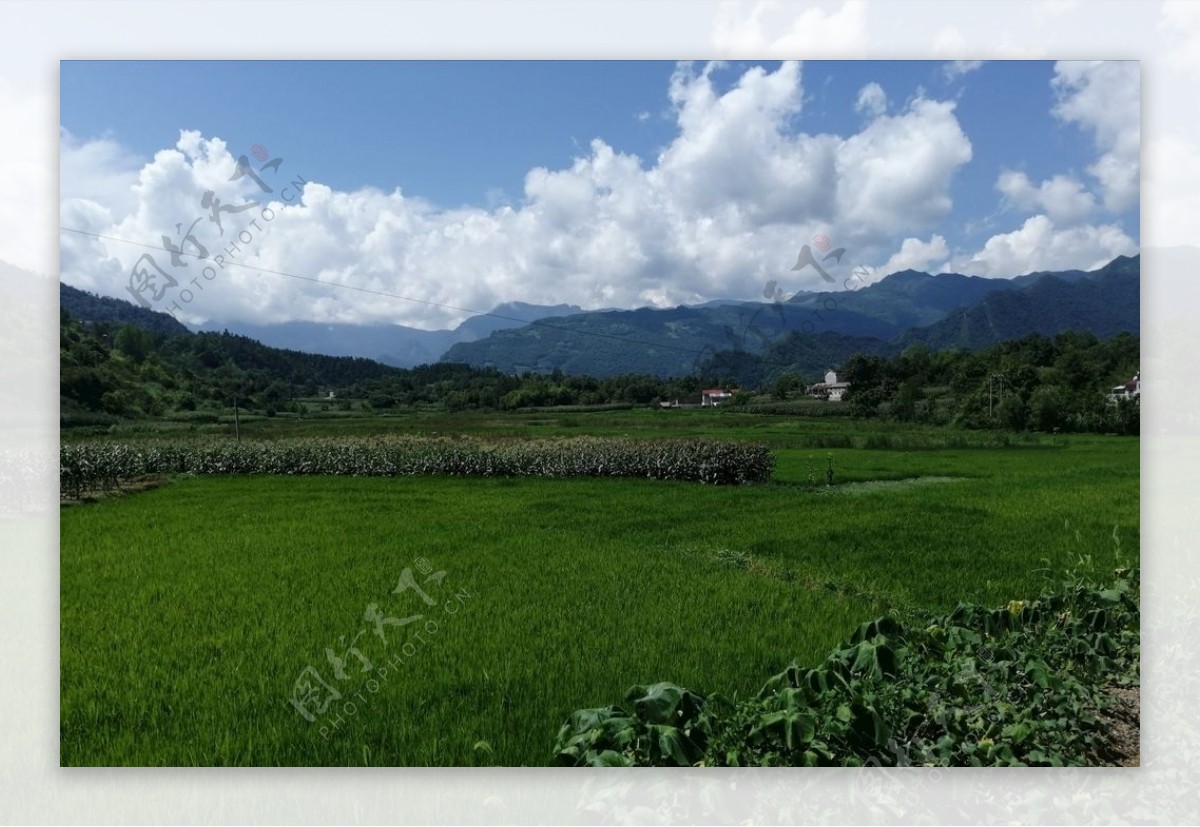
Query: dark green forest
(1033, 383)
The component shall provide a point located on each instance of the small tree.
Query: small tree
(1011, 412)
(134, 342)
(785, 384)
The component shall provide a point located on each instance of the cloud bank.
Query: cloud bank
(722, 208)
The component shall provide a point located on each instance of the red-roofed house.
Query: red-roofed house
(1130, 390)
(714, 396)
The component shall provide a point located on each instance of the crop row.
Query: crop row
(95, 466)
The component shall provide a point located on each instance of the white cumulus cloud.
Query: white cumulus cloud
(872, 100)
(1039, 245)
(915, 254)
(955, 69)
(724, 207)
(895, 174)
(1062, 198)
(1104, 98)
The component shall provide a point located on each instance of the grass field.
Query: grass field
(189, 611)
(785, 431)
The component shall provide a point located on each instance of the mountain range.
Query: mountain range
(395, 345)
(1105, 302)
(943, 312)
(809, 333)
(392, 344)
(89, 307)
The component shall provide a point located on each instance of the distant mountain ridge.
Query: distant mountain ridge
(948, 310)
(1105, 302)
(668, 341)
(89, 307)
(811, 331)
(392, 344)
(908, 298)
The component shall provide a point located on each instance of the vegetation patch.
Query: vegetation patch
(120, 488)
(1027, 684)
(759, 566)
(872, 486)
(90, 466)
(114, 372)
(187, 612)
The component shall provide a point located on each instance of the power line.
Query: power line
(385, 294)
(707, 349)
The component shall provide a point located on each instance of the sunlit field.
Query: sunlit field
(489, 609)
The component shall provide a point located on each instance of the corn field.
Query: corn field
(86, 467)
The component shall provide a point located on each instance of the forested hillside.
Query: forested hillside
(943, 311)
(89, 307)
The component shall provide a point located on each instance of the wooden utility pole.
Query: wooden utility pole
(991, 378)
(237, 426)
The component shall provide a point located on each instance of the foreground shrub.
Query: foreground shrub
(1014, 686)
(93, 466)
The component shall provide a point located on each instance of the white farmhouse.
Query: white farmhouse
(1130, 390)
(830, 389)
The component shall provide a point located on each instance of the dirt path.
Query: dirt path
(1123, 724)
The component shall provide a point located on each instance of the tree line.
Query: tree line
(120, 371)
(1033, 383)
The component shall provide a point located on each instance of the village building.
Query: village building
(831, 389)
(712, 397)
(1129, 391)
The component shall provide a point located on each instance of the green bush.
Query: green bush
(1014, 686)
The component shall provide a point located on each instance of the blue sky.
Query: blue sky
(455, 135)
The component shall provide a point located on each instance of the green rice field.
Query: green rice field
(465, 619)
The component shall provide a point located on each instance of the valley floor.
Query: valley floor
(194, 614)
